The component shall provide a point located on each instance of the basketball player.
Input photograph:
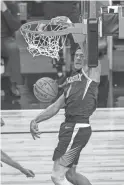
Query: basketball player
(80, 98)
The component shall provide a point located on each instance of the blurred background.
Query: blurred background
(111, 88)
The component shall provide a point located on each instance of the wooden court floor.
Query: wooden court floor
(101, 161)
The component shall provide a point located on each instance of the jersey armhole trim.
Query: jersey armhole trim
(86, 76)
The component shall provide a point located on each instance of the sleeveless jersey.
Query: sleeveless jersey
(80, 97)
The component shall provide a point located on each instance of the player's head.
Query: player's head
(79, 59)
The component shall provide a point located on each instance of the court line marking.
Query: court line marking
(55, 132)
(62, 110)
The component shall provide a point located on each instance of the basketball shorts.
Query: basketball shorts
(72, 139)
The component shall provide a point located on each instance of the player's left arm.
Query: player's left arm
(94, 73)
(8, 160)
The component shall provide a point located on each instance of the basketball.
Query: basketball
(45, 89)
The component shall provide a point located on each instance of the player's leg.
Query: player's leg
(80, 140)
(76, 178)
(60, 168)
(71, 141)
(58, 174)
(62, 175)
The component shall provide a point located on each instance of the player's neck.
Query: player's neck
(85, 68)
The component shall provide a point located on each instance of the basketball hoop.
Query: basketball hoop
(49, 38)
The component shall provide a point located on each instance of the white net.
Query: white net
(41, 44)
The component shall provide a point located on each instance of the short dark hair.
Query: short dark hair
(78, 47)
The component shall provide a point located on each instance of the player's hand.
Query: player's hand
(28, 173)
(34, 129)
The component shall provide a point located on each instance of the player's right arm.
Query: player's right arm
(51, 111)
(46, 114)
